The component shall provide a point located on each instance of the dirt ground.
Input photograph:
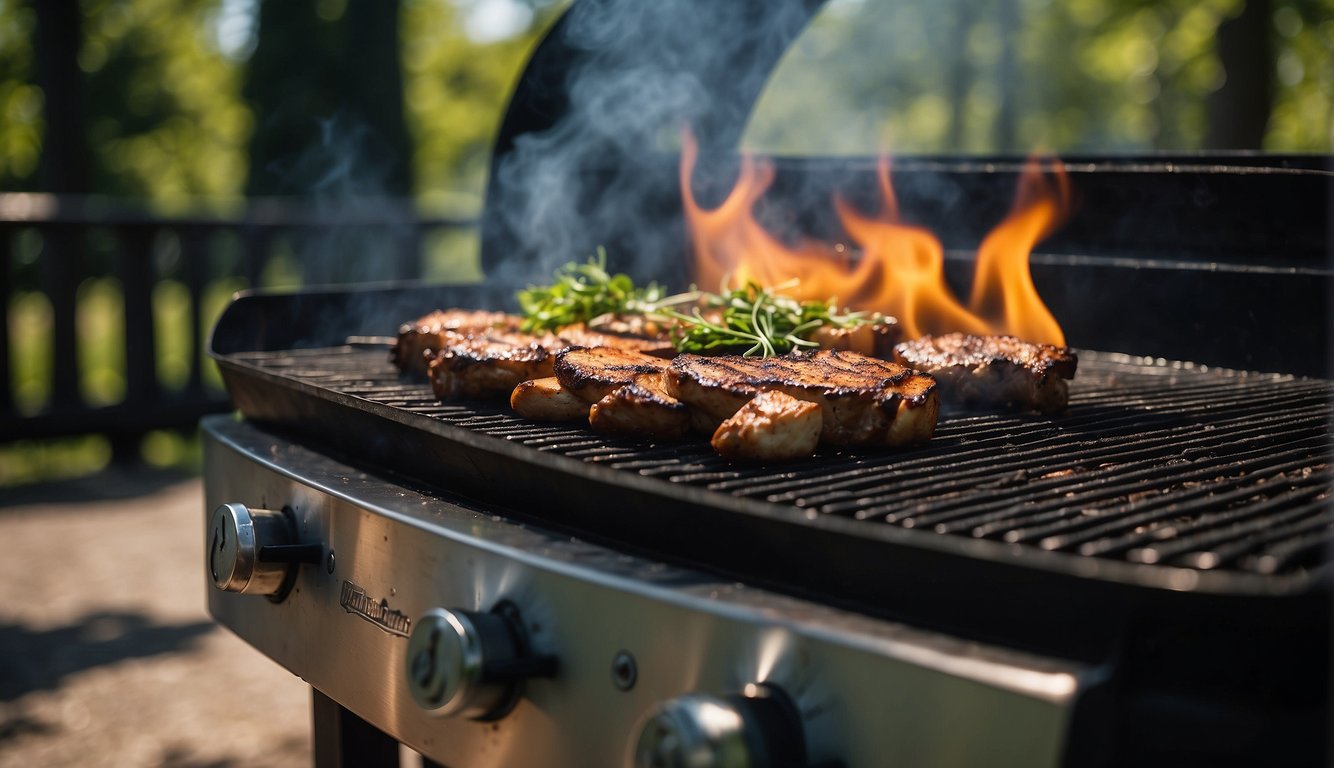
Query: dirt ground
(107, 654)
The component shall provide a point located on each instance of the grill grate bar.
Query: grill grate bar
(1049, 462)
(1151, 464)
(1120, 480)
(1245, 524)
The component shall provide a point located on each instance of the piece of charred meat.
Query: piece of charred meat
(485, 364)
(773, 426)
(489, 365)
(641, 408)
(872, 339)
(595, 372)
(625, 389)
(863, 400)
(546, 400)
(984, 371)
(581, 335)
(419, 340)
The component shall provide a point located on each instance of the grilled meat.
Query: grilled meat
(594, 373)
(545, 400)
(978, 371)
(871, 339)
(773, 426)
(492, 364)
(641, 408)
(420, 339)
(863, 400)
(626, 390)
(580, 335)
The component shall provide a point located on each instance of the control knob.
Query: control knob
(471, 664)
(759, 728)
(253, 551)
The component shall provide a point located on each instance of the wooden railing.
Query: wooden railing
(50, 246)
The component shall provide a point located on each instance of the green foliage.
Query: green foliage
(165, 121)
(21, 121)
(456, 91)
(960, 76)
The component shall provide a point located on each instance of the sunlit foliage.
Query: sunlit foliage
(1013, 76)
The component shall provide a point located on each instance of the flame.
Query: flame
(899, 269)
(902, 269)
(1002, 284)
(730, 245)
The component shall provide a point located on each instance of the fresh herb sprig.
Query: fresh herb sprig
(584, 292)
(759, 320)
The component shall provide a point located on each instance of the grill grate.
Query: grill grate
(1153, 463)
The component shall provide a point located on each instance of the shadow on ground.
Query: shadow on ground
(39, 660)
(112, 484)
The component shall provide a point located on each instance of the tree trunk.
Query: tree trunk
(64, 162)
(1239, 110)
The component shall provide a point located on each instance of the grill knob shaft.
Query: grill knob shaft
(251, 551)
(758, 729)
(470, 664)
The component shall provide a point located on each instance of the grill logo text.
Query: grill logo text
(354, 600)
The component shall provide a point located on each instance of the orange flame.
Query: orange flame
(731, 245)
(900, 268)
(1002, 284)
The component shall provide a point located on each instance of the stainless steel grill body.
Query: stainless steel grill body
(868, 690)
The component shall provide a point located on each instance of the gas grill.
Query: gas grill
(1142, 579)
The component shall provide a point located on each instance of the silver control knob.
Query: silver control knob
(757, 729)
(251, 551)
(469, 664)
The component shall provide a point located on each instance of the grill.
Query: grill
(1143, 579)
(1155, 462)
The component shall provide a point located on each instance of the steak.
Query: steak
(863, 400)
(419, 340)
(982, 371)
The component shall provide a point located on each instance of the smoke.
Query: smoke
(600, 167)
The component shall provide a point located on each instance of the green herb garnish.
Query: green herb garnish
(759, 320)
(583, 293)
(750, 319)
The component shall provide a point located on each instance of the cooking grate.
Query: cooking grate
(1155, 463)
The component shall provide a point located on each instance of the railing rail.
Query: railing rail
(50, 246)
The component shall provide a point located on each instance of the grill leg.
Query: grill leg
(343, 740)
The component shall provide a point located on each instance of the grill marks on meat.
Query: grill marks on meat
(419, 340)
(625, 389)
(624, 384)
(489, 365)
(980, 371)
(863, 400)
(594, 373)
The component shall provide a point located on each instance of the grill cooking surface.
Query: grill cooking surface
(1154, 463)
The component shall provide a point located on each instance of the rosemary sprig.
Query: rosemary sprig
(751, 319)
(584, 292)
(761, 321)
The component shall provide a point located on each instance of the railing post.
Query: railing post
(141, 384)
(6, 290)
(194, 258)
(61, 274)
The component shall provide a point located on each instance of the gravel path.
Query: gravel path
(107, 654)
